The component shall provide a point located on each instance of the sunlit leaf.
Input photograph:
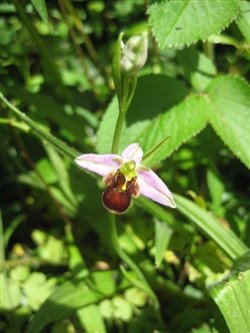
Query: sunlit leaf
(230, 114)
(232, 297)
(179, 123)
(243, 19)
(90, 318)
(177, 23)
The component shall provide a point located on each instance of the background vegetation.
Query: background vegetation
(60, 271)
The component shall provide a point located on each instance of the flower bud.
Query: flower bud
(134, 54)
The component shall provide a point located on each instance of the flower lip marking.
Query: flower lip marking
(117, 197)
(125, 178)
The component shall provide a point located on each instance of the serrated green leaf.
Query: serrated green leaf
(154, 94)
(232, 298)
(176, 23)
(41, 8)
(143, 107)
(208, 223)
(229, 114)
(180, 124)
(243, 20)
(162, 237)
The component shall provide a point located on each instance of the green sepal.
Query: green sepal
(116, 68)
(152, 151)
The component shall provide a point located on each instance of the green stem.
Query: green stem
(118, 131)
(126, 98)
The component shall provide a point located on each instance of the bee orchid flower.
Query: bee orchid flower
(125, 177)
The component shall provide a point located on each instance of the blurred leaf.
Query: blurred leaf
(216, 188)
(41, 8)
(60, 145)
(54, 111)
(70, 296)
(91, 319)
(209, 225)
(62, 172)
(136, 296)
(121, 308)
(229, 114)
(232, 297)
(243, 19)
(11, 227)
(75, 260)
(37, 288)
(162, 237)
(177, 23)
(50, 248)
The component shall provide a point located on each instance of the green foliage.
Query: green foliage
(232, 297)
(66, 264)
(40, 6)
(230, 105)
(177, 23)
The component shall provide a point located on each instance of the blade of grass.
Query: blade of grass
(202, 219)
(210, 226)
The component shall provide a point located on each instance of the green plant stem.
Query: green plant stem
(60, 145)
(118, 131)
(112, 221)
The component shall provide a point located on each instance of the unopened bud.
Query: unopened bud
(134, 54)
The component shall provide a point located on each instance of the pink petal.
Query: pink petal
(133, 153)
(100, 164)
(152, 187)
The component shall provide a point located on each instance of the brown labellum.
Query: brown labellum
(116, 200)
(117, 197)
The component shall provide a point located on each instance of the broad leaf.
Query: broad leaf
(232, 297)
(180, 124)
(243, 20)
(144, 106)
(176, 23)
(229, 114)
(154, 94)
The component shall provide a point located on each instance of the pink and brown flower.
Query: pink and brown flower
(125, 178)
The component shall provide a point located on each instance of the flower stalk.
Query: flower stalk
(127, 61)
